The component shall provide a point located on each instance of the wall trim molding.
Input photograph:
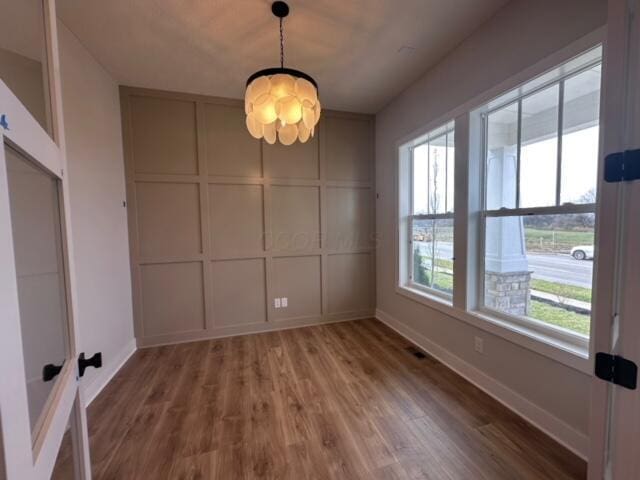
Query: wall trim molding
(291, 252)
(566, 435)
(108, 371)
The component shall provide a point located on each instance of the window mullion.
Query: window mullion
(560, 131)
(433, 216)
(429, 177)
(411, 182)
(410, 242)
(446, 172)
(518, 151)
(467, 181)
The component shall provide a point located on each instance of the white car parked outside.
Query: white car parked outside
(582, 252)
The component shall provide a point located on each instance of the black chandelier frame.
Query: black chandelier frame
(281, 10)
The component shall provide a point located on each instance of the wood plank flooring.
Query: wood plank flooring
(340, 401)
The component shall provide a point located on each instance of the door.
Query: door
(615, 410)
(41, 407)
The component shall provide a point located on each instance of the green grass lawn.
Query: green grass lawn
(561, 317)
(443, 281)
(444, 263)
(559, 241)
(568, 237)
(562, 290)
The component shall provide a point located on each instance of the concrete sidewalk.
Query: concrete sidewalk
(566, 301)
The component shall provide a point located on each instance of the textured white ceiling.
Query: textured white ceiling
(353, 48)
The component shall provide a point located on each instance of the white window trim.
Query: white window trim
(565, 336)
(405, 188)
(468, 207)
(445, 297)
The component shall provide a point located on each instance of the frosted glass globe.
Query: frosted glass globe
(288, 134)
(270, 133)
(289, 110)
(303, 132)
(265, 109)
(317, 110)
(309, 117)
(254, 126)
(306, 91)
(259, 86)
(282, 85)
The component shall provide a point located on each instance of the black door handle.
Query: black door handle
(83, 363)
(51, 371)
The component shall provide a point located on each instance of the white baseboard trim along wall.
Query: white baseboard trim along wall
(109, 369)
(566, 435)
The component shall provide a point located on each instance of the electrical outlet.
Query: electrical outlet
(276, 302)
(479, 345)
(284, 302)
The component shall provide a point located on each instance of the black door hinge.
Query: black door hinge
(51, 371)
(83, 363)
(618, 370)
(622, 166)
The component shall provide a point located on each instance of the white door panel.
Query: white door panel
(615, 410)
(37, 295)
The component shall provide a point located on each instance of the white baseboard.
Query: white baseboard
(108, 371)
(251, 329)
(560, 431)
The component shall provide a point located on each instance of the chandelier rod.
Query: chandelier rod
(281, 45)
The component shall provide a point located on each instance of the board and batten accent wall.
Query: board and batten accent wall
(221, 224)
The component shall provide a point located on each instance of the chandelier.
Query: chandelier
(281, 103)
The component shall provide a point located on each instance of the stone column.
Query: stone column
(508, 292)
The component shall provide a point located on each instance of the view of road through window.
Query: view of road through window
(560, 259)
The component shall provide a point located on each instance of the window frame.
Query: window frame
(444, 130)
(469, 197)
(576, 339)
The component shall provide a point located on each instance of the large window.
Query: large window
(430, 221)
(526, 195)
(540, 194)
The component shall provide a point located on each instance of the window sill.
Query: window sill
(547, 345)
(429, 299)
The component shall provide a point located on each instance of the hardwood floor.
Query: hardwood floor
(341, 401)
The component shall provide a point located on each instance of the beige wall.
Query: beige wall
(26, 79)
(221, 224)
(521, 34)
(97, 191)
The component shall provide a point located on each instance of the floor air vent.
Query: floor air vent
(416, 352)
